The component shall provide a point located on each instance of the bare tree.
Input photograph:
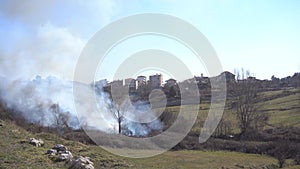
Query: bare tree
(283, 150)
(60, 119)
(116, 103)
(224, 128)
(117, 113)
(245, 94)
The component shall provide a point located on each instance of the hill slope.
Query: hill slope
(283, 107)
(16, 153)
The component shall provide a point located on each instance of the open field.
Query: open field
(205, 159)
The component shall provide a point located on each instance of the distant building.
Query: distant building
(130, 81)
(141, 80)
(132, 84)
(155, 81)
(229, 76)
(171, 89)
(202, 79)
(224, 77)
(170, 82)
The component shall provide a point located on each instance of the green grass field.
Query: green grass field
(205, 159)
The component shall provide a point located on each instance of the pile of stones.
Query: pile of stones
(78, 162)
(81, 162)
(63, 154)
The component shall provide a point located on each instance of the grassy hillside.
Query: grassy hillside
(17, 154)
(282, 106)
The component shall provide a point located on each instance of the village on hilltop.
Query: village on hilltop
(142, 87)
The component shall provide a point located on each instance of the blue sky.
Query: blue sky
(46, 37)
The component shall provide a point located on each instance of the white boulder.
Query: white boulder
(66, 155)
(81, 162)
(36, 142)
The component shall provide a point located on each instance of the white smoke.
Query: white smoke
(34, 99)
(45, 38)
(138, 129)
(139, 120)
(50, 51)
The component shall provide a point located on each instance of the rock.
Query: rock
(51, 152)
(36, 142)
(81, 162)
(66, 155)
(60, 148)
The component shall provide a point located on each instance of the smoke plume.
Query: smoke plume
(35, 99)
(45, 38)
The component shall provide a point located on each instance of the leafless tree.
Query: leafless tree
(283, 150)
(117, 113)
(245, 95)
(224, 128)
(116, 104)
(60, 119)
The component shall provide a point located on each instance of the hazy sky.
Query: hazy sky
(46, 37)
